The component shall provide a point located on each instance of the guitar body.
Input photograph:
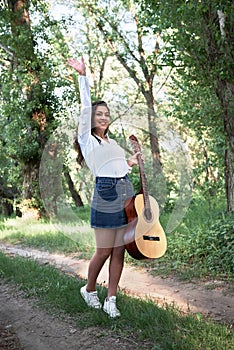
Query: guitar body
(144, 238)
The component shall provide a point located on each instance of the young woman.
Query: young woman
(106, 160)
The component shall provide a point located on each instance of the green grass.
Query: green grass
(200, 247)
(152, 327)
(62, 238)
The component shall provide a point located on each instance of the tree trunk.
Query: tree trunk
(22, 34)
(158, 184)
(20, 24)
(7, 207)
(30, 177)
(225, 93)
(75, 195)
(20, 6)
(6, 199)
(220, 54)
(156, 157)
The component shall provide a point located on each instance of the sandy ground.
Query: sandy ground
(24, 326)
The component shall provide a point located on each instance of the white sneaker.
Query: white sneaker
(110, 307)
(91, 298)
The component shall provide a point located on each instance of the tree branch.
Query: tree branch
(120, 57)
(140, 44)
(165, 80)
(113, 26)
(11, 53)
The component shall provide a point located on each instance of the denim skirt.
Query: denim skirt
(108, 203)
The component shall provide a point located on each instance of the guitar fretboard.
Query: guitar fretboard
(145, 191)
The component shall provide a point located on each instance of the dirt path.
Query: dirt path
(23, 326)
(37, 330)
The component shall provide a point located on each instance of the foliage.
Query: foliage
(188, 98)
(201, 54)
(205, 249)
(189, 102)
(30, 104)
(220, 237)
(199, 126)
(137, 52)
(188, 44)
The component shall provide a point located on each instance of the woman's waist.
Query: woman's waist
(111, 178)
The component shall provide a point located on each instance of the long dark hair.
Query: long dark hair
(80, 156)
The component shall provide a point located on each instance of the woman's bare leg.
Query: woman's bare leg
(116, 263)
(105, 239)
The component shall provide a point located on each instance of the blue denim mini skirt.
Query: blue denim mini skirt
(107, 208)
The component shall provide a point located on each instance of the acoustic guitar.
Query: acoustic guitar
(144, 237)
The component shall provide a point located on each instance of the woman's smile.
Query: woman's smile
(101, 119)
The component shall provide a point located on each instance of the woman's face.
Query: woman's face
(101, 119)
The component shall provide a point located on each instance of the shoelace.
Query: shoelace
(112, 306)
(94, 298)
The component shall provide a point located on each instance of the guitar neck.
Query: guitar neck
(144, 183)
(147, 209)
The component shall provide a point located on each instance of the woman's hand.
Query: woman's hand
(133, 160)
(79, 66)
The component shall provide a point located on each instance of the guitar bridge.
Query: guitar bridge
(151, 238)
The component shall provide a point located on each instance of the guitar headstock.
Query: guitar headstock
(135, 143)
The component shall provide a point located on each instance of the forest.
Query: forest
(167, 78)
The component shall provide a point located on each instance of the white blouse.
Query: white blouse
(104, 158)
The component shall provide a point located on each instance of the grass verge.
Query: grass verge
(152, 327)
(200, 249)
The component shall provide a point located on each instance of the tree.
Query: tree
(202, 50)
(128, 46)
(29, 77)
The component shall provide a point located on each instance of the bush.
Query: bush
(205, 248)
(220, 237)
